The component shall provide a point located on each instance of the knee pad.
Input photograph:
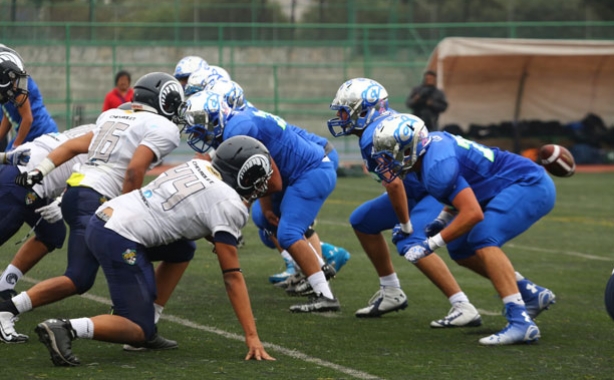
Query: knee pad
(288, 237)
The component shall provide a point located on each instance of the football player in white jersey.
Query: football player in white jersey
(122, 147)
(190, 201)
(21, 205)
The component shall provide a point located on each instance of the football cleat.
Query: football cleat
(7, 329)
(519, 329)
(317, 304)
(536, 298)
(157, 343)
(303, 287)
(57, 335)
(335, 256)
(385, 300)
(7, 294)
(290, 281)
(462, 314)
(289, 271)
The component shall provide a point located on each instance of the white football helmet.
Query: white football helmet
(217, 73)
(204, 115)
(188, 65)
(230, 91)
(196, 82)
(357, 102)
(398, 141)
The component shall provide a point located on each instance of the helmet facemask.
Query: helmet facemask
(13, 85)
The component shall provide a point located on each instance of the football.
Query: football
(557, 160)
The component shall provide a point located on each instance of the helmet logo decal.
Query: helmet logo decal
(405, 131)
(371, 95)
(8, 56)
(167, 88)
(213, 102)
(244, 180)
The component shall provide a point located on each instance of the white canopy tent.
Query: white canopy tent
(490, 80)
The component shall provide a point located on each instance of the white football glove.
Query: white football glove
(16, 157)
(52, 212)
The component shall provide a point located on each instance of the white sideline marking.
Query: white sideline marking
(569, 253)
(228, 335)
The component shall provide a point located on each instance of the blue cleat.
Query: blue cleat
(280, 277)
(520, 328)
(536, 298)
(335, 256)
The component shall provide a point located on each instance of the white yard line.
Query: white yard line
(228, 335)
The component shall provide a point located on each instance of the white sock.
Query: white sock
(84, 327)
(9, 277)
(320, 285)
(391, 280)
(22, 302)
(514, 298)
(157, 312)
(458, 297)
(519, 277)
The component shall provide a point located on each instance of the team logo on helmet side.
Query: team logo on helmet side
(8, 56)
(167, 88)
(371, 95)
(244, 179)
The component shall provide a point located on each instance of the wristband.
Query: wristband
(407, 227)
(45, 166)
(436, 242)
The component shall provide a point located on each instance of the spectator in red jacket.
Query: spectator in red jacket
(122, 92)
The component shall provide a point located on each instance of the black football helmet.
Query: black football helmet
(13, 77)
(245, 165)
(158, 92)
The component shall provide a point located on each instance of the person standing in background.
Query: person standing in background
(121, 93)
(427, 101)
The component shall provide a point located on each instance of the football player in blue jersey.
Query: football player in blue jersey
(490, 197)
(232, 93)
(361, 105)
(21, 101)
(307, 173)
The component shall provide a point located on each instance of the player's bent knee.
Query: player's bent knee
(265, 237)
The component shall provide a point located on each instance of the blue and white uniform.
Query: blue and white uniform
(513, 191)
(377, 215)
(308, 175)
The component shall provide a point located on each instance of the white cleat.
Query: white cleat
(7, 329)
(385, 300)
(462, 314)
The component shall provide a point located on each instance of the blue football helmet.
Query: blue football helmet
(398, 141)
(205, 115)
(188, 65)
(357, 102)
(230, 91)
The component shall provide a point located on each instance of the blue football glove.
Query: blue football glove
(398, 234)
(435, 227)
